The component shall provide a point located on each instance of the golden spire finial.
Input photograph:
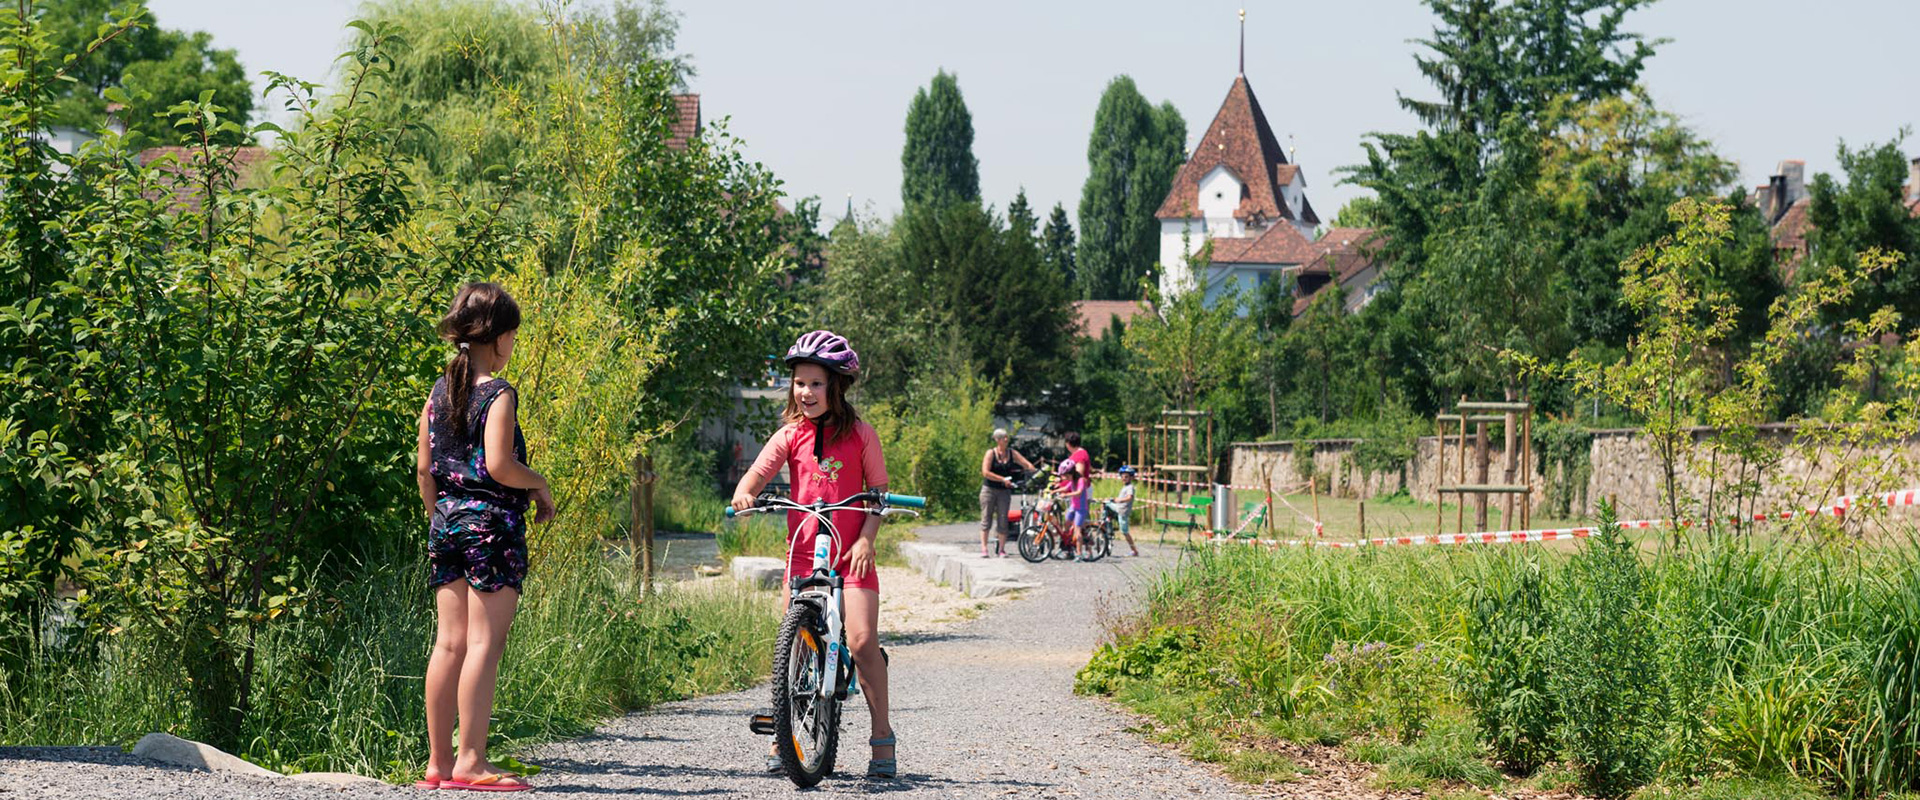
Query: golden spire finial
(1243, 42)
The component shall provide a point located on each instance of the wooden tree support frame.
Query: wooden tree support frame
(1173, 457)
(1516, 488)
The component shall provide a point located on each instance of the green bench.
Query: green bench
(1253, 516)
(1196, 510)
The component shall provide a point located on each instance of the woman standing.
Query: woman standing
(996, 490)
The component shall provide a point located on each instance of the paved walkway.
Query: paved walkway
(984, 709)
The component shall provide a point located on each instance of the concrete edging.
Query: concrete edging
(973, 575)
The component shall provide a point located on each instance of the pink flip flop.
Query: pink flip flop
(426, 785)
(490, 783)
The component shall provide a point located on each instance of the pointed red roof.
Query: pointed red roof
(686, 123)
(1240, 140)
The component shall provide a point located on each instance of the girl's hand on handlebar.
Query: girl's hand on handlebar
(741, 501)
(861, 556)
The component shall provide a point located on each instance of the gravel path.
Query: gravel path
(984, 708)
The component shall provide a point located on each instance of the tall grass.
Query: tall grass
(1781, 659)
(342, 688)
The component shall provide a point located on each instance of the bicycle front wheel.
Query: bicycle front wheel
(1096, 541)
(1034, 542)
(806, 725)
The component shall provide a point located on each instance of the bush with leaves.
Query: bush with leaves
(1506, 664)
(1602, 662)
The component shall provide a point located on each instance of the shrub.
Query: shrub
(934, 436)
(1505, 671)
(1601, 658)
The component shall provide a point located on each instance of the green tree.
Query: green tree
(993, 292)
(937, 164)
(1867, 211)
(1133, 153)
(157, 67)
(641, 32)
(1020, 219)
(1057, 245)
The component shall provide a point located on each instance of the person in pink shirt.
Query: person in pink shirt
(830, 454)
(1081, 492)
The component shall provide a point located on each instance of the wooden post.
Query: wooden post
(1509, 429)
(1439, 477)
(1363, 519)
(640, 532)
(1313, 490)
(1481, 459)
(1460, 512)
(1526, 468)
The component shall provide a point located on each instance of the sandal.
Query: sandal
(489, 783)
(774, 765)
(883, 767)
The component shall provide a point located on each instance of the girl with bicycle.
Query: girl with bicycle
(831, 454)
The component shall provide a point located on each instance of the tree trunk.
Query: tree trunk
(640, 533)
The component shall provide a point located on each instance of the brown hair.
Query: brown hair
(839, 416)
(481, 313)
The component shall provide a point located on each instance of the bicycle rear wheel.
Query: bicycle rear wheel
(806, 726)
(1034, 543)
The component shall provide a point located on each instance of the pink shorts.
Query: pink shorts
(800, 562)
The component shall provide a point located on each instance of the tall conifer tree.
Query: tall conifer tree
(937, 164)
(1132, 156)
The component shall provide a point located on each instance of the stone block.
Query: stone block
(758, 571)
(169, 749)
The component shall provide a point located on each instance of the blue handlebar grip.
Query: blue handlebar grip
(729, 512)
(905, 500)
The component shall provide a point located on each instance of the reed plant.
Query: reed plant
(342, 686)
(1791, 659)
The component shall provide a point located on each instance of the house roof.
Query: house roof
(687, 125)
(244, 161)
(1280, 244)
(1341, 254)
(1240, 140)
(1790, 233)
(1095, 316)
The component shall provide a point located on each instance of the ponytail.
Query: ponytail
(481, 313)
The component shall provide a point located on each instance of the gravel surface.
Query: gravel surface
(984, 708)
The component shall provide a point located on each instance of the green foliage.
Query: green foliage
(1565, 451)
(1187, 347)
(1161, 656)
(1133, 153)
(1866, 212)
(933, 436)
(147, 69)
(1057, 248)
(1610, 721)
(1506, 666)
(987, 287)
(937, 166)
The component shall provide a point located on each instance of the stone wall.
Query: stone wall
(1624, 468)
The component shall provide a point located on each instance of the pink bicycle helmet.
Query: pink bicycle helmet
(826, 348)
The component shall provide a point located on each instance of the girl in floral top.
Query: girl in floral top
(476, 487)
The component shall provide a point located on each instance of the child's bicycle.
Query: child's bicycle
(813, 671)
(1044, 532)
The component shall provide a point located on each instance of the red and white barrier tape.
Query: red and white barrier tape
(1838, 508)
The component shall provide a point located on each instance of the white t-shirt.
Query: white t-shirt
(1125, 498)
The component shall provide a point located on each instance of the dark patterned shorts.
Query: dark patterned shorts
(485, 545)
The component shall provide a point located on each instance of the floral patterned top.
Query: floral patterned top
(459, 458)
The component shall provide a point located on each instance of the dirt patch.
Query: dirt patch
(912, 604)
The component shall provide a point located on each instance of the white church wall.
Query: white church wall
(1219, 198)
(1179, 238)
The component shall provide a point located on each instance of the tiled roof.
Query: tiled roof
(1340, 255)
(1283, 173)
(1240, 140)
(1280, 244)
(688, 124)
(1097, 315)
(1790, 233)
(244, 161)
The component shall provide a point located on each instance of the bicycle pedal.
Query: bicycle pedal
(761, 724)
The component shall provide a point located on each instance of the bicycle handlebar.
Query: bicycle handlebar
(907, 503)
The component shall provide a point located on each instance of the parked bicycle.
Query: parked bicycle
(1044, 532)
(813, 670)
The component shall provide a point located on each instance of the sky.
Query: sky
(819, 90)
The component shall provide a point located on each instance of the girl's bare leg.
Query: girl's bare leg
(443, 677)
(862, 608)
(489, 615)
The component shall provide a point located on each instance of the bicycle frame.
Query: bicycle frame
(823, 586)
